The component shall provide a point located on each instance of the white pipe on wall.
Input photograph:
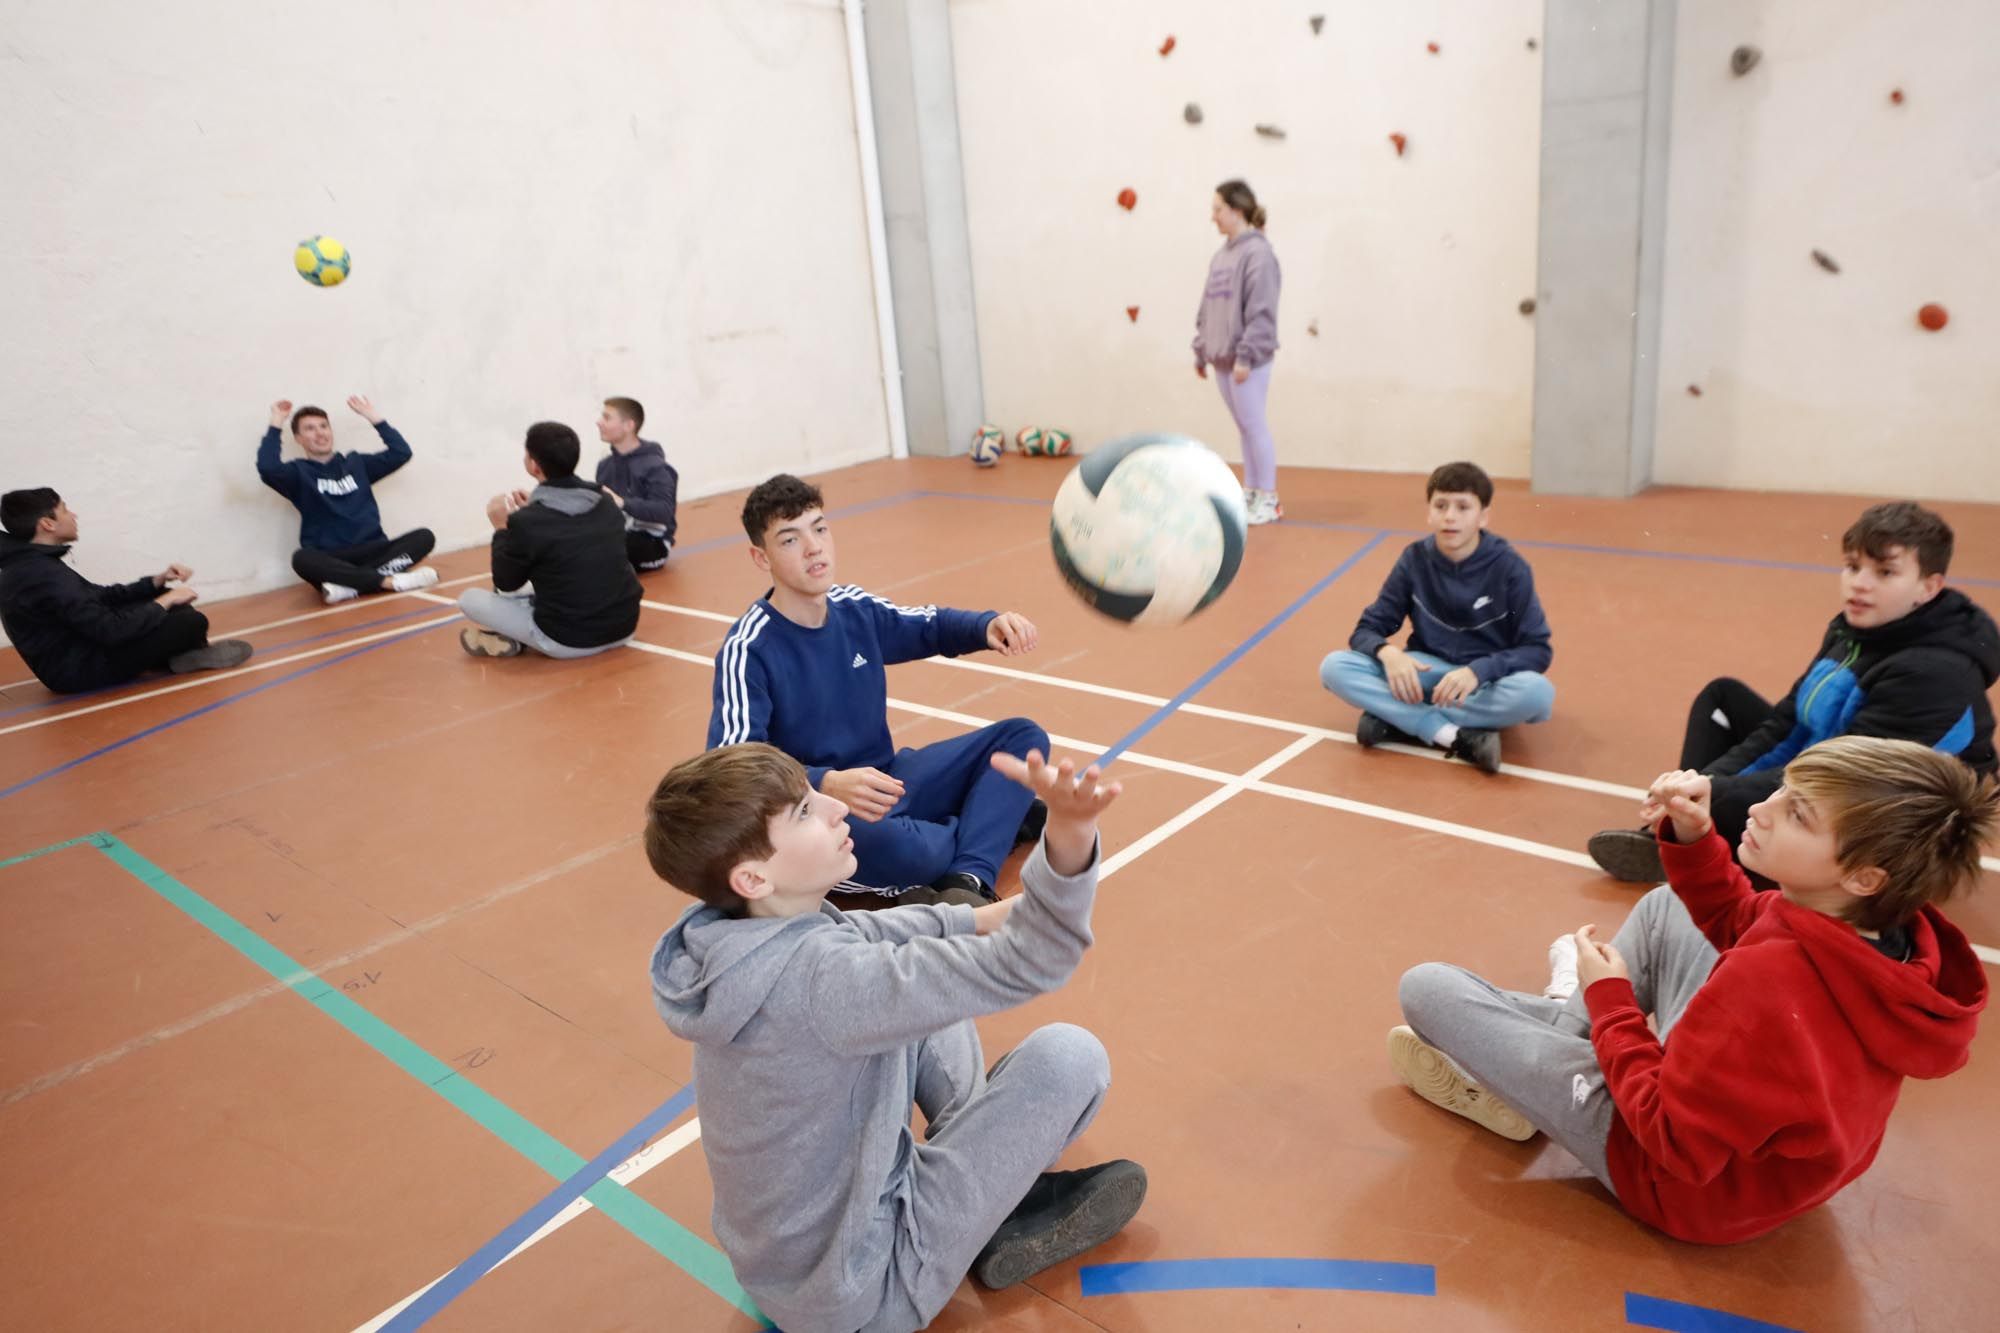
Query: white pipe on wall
(878, 240)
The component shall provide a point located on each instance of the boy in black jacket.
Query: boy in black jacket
(1906, 659)
(342, 549)
(76, 635)
(640, 480)
(567, 538)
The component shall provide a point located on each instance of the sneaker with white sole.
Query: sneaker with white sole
(1562, 968)
(1265, 508)
(336, 593)
(423, 576)
(1433, 1076)
(485, 643)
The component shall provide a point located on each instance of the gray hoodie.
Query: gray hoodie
(1238, 319)
(806, 1031)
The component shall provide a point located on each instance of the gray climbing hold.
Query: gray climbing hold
(1744, 59)
(1318, 21)
(1532, 43)
(1191, 113)
(1825, 261)
(1528, 306)
(1270, 131)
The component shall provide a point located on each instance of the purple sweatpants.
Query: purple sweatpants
(1246, 404)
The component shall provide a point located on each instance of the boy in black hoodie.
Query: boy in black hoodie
(567, 539)
(1479, 643)
(76, 635)
(640, 481)
(1906, 659)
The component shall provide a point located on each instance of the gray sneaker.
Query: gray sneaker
(1630, 854)
(219, 655)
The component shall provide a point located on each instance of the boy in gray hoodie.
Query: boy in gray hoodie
(815, 1031)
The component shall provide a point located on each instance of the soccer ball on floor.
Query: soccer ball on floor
(1149, 530)
(322, 261)
(988, 443)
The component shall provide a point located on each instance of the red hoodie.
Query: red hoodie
(1773, 1088)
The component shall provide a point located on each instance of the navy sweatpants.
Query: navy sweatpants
(956, 812)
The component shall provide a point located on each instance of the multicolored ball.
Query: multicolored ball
(988, 443)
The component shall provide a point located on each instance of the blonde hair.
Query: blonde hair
(713, 812)
(1918, 816)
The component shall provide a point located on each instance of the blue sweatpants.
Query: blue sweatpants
(1524, 696)
(956, 812)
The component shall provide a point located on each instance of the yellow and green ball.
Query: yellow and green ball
(322, 261)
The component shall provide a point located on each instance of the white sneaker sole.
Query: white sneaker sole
(1433, 1077)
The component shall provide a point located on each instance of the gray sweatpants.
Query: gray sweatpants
(989, 1135)
(515, 618)
(1534, 1053)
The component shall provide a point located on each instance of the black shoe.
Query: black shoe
(1479, 748)
(215, 655)
(1371, 731)
(1630, 854)
(1063, 1214)
(964, 881)
(1032, 823)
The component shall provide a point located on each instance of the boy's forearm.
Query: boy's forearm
(1071, 847)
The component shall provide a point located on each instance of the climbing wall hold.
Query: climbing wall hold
(1527, 307)
(1896, 96)
(1744, 59)
(1132, 313)
(1312, 327)
(1270, 131)
(1533, 44)
(1167, 47)
(1401, 142)
(1431, 47)
(1191, 113)
(1933, 317)
(1825, 261)
(1318, 21)
(1694, 391)
(1128, 199)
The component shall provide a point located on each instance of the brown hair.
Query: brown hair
(305, 412)
(1901, 523)
(713, 812)
(1461, 479)
(629, 409)
(1239, 196)
(780, 498)
(1915, 814)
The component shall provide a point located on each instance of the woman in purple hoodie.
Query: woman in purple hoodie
(1236, 331)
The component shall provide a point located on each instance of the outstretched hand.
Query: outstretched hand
(281, 412)
(1012, 634)
(1074, 803)
(360, 403)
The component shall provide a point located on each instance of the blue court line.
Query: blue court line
(839, 511)
(1203, 681)
(210, 707)
(1652, 1312)
(666, 1237)
(488, 1256)
(1257, 1275)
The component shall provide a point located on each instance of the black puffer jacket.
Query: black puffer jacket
(62, 622)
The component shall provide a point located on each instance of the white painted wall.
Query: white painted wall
(1812, 381)
(547, 204)
(1412, 267)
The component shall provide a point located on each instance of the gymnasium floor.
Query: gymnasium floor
(344, 967)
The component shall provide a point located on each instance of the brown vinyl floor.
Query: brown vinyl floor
(441, 855)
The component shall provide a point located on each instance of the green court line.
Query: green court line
(666, 1237)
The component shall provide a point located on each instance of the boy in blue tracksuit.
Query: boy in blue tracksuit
(803, 669)
(1479, 643)
(342, 549)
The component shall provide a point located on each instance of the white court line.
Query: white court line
(627, 1171)
(1133, 851)
(354, 605)
(218, 677)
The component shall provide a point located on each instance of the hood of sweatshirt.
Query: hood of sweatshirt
(712, 973)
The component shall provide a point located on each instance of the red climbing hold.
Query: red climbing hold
(1896, 96)
(1167, 47)
(1128, 199)
(1431, 47)
(1400, 142)
(1933, 317)
(1132, 313)
(1694, 391)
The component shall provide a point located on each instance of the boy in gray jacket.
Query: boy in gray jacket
(815, 1031)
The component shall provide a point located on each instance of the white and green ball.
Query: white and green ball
(1149, 530)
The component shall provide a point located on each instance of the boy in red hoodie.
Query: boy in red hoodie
(1786, 1021)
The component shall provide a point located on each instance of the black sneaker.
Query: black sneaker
(964, 881)
(1032, 823)
(1372, 731)
(1064, 1214)
(1477, 747)
(216, 655)
(1630, 854)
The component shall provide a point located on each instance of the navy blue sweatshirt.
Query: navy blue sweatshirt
(648, 485)
(821, 695)
(335, 499)
(1480, 613)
